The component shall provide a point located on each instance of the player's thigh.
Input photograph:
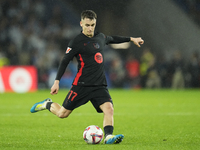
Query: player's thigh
(101, 96)
(76, 97)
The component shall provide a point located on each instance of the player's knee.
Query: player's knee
(109, 111)
(62, 116)
(63, 113)
(107, 108)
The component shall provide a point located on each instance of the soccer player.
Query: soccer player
(90, 81)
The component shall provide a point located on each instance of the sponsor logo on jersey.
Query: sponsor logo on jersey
(68, 50)
(98, 58)
(85, 44)
(96, 45)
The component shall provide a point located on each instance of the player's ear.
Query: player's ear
(81, 23)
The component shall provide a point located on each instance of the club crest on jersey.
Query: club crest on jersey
(98, 58)
(96, 45)
(68, 50)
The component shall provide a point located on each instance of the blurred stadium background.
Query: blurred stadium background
(36, 33)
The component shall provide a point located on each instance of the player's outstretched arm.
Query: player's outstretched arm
(55, 87)
(137, 41)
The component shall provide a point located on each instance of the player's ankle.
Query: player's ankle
(48, 105)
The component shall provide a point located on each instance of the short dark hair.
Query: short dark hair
(88, 14)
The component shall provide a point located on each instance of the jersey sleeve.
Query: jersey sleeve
(70, 52)
(116, 39)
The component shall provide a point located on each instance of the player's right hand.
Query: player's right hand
(55, 88)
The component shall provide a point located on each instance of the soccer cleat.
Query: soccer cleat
(40, 105)
(113, 139)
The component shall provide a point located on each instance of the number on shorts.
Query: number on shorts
(74, 95)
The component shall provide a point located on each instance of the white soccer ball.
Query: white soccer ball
(93, 134)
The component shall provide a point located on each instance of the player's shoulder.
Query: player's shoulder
(75, 40)
(100, 34)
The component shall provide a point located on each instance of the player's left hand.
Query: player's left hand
(137, 41)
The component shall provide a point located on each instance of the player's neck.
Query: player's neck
(89, 36)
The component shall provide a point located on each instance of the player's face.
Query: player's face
(88, 26)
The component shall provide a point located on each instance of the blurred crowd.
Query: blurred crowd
(152, 71)
(191, 7)
(33, 34)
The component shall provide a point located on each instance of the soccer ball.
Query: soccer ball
(93, 134)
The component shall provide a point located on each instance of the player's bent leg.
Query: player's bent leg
(40, 105)
(55, 108)
(60, 111)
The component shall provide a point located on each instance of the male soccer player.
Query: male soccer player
(90, 82)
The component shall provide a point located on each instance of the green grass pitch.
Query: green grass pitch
(149, 120)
